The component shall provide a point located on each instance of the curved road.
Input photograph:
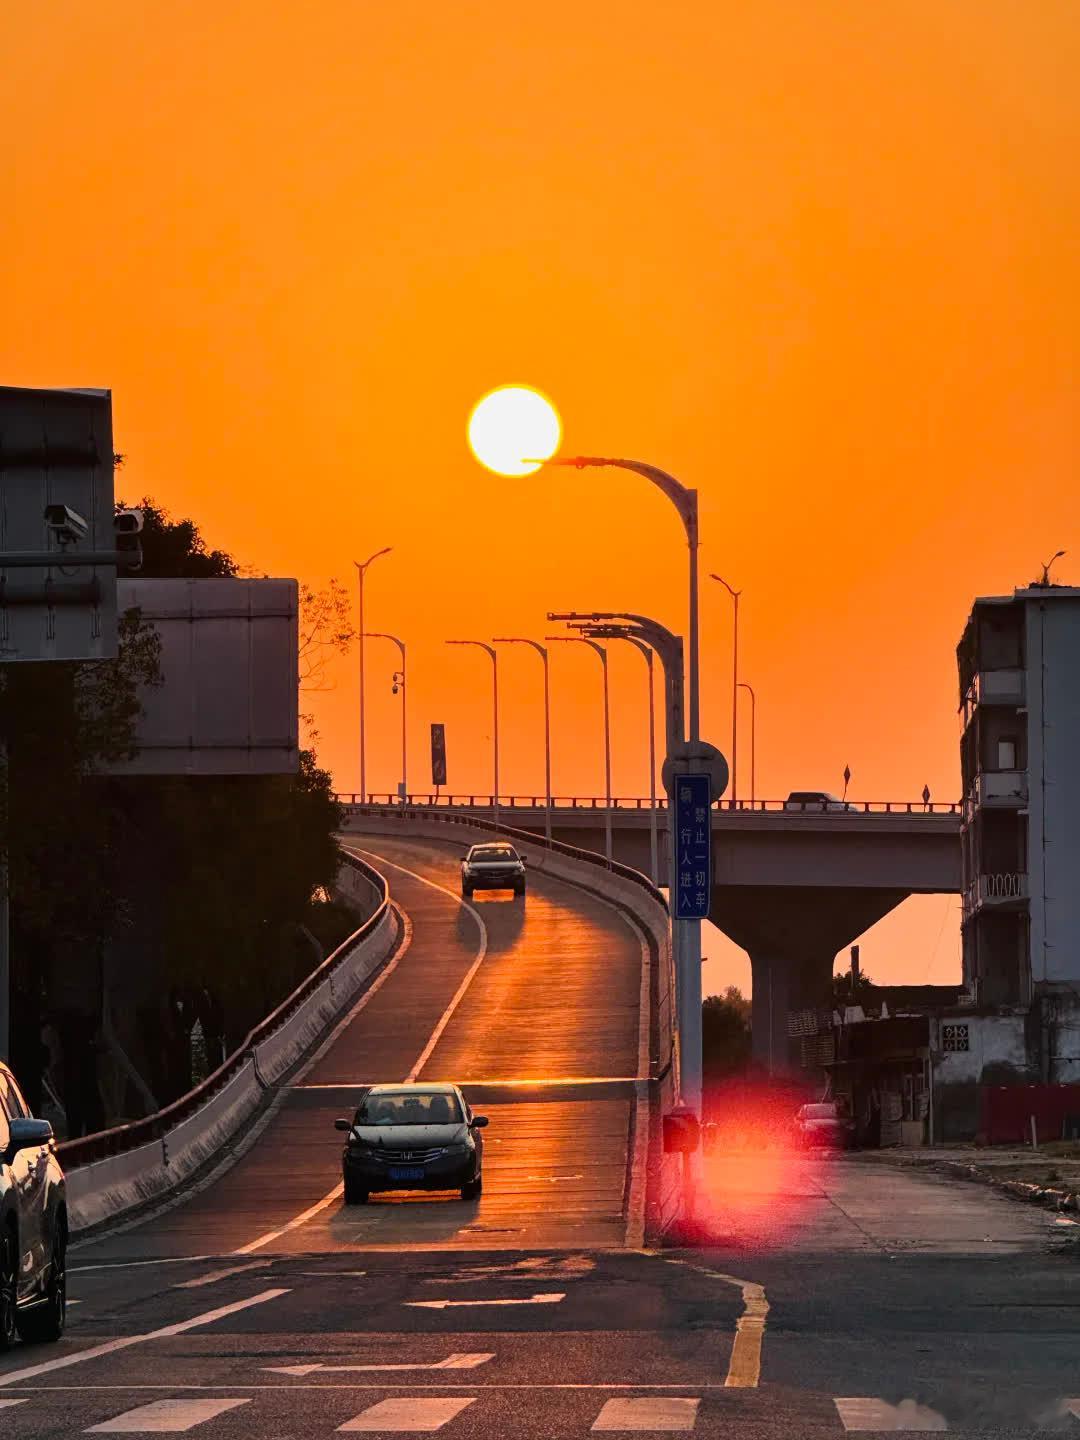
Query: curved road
(500, 996)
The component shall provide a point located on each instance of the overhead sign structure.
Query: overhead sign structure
(693, 855)
(438, 754)
(227, 704)
(57, 541)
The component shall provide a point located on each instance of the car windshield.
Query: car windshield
(409, 1107)
(495, 852)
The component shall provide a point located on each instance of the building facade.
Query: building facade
(1019, 670)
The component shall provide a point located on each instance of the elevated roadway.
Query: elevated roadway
(534, 1008)
(792, 887)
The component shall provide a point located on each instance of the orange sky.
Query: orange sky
(819, 259)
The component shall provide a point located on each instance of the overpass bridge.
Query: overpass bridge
(791, 884)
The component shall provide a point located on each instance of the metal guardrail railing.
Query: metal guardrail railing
(526, 837)
(120, 1138)
(622, 802)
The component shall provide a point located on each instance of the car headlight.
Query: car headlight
(460, 1147)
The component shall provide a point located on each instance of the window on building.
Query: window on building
(1007, 752)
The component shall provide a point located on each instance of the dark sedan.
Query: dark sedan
(493, 866)
(33, 1223)
(412, 1137)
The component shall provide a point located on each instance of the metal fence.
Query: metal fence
(635, 802)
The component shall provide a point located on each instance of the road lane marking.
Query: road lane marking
(295, 1223)
(554, 1298)
(452, 1362)
(655, 1412)
(865, 1412)
(7, 1404)
(139, 1264)
(548, 1082)
(339, 1189)
(216, 1275)
(1071, 1407)
(744, 1367)
(28, 1372)
(448, 1013)
(412, 1413)
(165, 1417)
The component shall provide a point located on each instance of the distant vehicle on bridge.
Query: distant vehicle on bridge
(412, 1137)
(33, 1223)
(816, 800)
(494, 866)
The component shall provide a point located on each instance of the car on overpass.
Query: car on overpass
(816, 800)
(495, 865)
(33, 1223)
(412, 1137)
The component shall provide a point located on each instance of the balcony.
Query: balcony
(994, 687)
(1005, 890)
(1001, 788)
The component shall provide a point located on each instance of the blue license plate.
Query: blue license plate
(405, 1172)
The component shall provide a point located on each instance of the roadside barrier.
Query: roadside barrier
(118, 1170)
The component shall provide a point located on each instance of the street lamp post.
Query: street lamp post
(686, 503)
(361, 571)
(753, 740)
(593, 645)
(541, 650)
(647, 652)
(490, 650)
(734, 692)
(399, 684)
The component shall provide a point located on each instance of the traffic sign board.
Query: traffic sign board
(693, 847)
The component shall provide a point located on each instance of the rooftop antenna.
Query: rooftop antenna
(1046, 568)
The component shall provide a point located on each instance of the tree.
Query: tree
(326, 629)
(725, 1034)
(175, 549)
(849, 989)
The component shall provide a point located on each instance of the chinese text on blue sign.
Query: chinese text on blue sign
(692, 837)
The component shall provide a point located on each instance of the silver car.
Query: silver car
(495, 865)
(33, 1223)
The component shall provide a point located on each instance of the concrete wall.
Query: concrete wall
(996, 1055)
(1053, 681)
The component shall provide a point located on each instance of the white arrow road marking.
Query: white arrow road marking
(7, 1404)
(216, 1275)
(864, 1412)
(28, 1372)
(407, 1414)
(1071, 1407)
(542, 1299)
(452, 1362)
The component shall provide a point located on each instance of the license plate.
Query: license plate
(405, 1172)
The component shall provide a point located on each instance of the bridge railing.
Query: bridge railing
(525, 837)
(430, 802)
(120, 1138)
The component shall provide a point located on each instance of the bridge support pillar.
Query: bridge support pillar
(783, 985)
(793, 934)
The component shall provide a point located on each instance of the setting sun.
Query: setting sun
(511, 422)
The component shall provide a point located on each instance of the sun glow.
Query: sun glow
(514, 428)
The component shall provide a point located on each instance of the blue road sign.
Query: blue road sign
(693, 840)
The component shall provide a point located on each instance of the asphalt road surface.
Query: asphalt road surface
(840, 1297)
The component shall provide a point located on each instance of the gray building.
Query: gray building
(1019, 667)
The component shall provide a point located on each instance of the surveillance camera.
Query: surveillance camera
(67, 525)
(128, 522)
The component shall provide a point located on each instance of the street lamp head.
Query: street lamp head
(362, 565)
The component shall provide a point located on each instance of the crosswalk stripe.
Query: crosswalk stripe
(6, 1404)
(164, 1417)
(868, 1412)
(409, 1413)
(654, 1412)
